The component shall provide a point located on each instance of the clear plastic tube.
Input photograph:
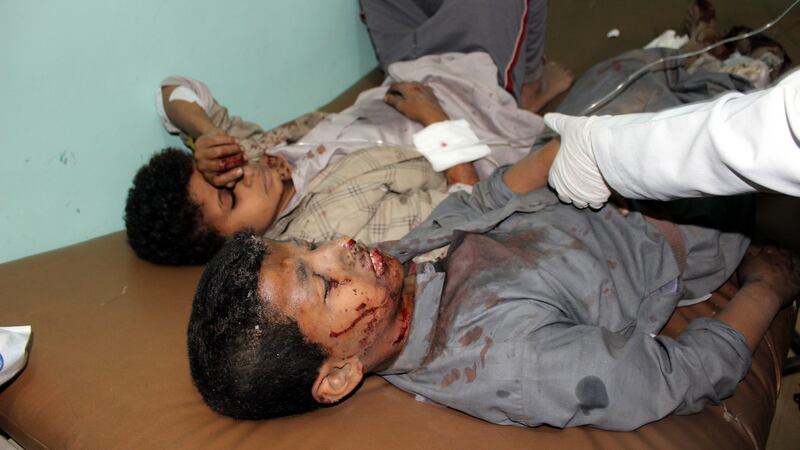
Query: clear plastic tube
(634, 76)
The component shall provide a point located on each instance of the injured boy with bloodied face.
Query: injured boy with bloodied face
(532, 312)
(355, 172)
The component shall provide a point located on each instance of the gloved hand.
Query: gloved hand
(574, 173)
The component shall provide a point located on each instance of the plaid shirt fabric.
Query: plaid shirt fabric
(373, 195)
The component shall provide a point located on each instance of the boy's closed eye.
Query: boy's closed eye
(226, 198)
(309, 245)
(326, 286)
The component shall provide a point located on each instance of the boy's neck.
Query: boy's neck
(286, 196)
(397, 336)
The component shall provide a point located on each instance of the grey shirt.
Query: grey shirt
(545, 314)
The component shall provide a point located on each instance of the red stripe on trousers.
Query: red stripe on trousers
(510, 68)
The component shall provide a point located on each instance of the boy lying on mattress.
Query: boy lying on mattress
(504, 303)
(539, 313)
(355, 172)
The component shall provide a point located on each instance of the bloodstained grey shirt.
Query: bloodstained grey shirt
(545, 314)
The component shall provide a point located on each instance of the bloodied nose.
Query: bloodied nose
(370, 259)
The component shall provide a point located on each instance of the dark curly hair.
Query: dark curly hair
(164, 224)
(247, 359)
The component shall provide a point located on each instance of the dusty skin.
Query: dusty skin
(555, 79)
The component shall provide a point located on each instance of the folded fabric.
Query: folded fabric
(13, 354)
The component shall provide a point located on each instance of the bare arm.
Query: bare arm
(530, 173)
(418, 102)
(187, 116)
(770, 281)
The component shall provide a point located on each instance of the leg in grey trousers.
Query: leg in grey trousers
(510, 31)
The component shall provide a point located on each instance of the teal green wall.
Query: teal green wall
(77, 115)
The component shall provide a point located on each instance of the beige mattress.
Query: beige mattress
(108, 369)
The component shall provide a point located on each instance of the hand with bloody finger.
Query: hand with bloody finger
(219, 158)
(777, 269)
(415, 101)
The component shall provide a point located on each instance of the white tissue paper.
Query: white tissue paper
(13, 354)
(449, 143)
(668, 39)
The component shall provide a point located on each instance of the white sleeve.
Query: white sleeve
(734, 144)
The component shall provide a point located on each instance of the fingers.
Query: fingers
(556, 121)
(574, 173)
(216, 139)
(227, 179)
(216, 146)
(407, 90)
(397, 93)
(220, 178)
(404, 88)
(415, 101)
(556, 179)
(219, 158)
(222, 163)
(774, 267)
(393, 97)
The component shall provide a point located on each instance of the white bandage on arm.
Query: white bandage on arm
(179, 93)
(185, 94)
(187, 90)
(449, 143)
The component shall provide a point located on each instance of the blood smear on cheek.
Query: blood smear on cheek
(363, 314)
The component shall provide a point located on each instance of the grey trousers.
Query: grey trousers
(510, 31)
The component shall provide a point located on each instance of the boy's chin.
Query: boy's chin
(394, 274)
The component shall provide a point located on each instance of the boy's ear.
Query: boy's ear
(336, 379)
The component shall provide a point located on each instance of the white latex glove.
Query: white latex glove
(574, 173)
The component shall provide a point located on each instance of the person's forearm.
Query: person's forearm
(187, 116)
(530, 173)
(419, 103)
(463, 173)
(751, 311)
